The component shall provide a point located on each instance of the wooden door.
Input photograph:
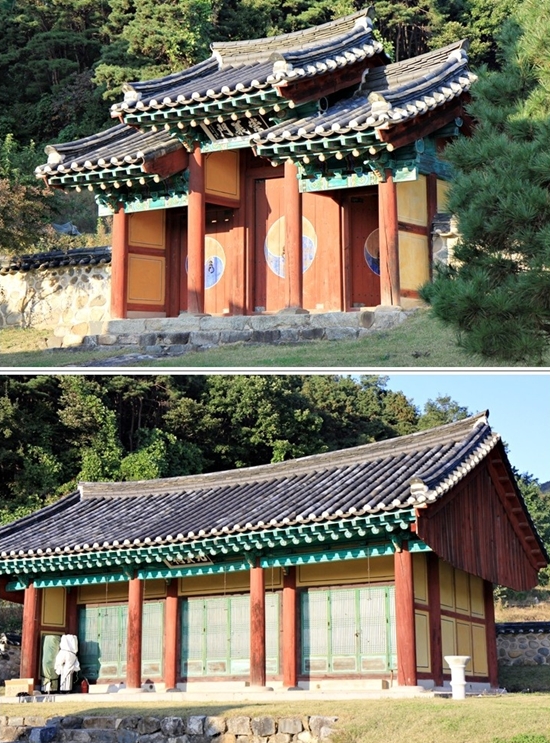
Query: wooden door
(364, 264)
(147, 264)
(270, 277)
(218, 260)
(321, 254)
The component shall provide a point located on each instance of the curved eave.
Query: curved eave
(190, 550)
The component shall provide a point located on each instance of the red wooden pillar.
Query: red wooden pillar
(135, 623)
(119, 264)
(72, 611)
(293, 235)
(30, 639)
(404, 618)
(492, 658)
(171, 636)
(257, 626)
(390, 291)
(195, 233)
(434, 602)
(290, 647)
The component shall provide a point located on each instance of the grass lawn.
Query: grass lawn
(511, 718)
(421, 341)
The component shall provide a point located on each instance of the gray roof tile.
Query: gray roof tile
(383, 477)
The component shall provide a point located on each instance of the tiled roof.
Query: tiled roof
(388, 96)
(380, 478)
(520, 628)
(113, 153)
(55, 259)
(237, 68)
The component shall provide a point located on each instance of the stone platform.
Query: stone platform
(174, 336)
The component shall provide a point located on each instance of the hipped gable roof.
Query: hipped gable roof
(256, 65)
(389, 96)
(386, 481)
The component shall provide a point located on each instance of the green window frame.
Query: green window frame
(348, 631)
(215, 636)
(102, 641)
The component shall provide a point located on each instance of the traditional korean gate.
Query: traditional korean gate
(102, 639)
(364, 280)
(348, 631)
(215, 636)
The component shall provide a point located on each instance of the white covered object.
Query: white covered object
(66, 662)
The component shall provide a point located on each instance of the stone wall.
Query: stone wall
(522, 644)
(10, 662)
(192, 729)
(66, 293)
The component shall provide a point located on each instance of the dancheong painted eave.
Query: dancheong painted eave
(389, 97)
(365, 490)
(246, 67)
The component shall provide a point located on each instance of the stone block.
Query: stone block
(305, 737)
(199, 738)
(238, 725)
(203, 339)
(102, 735)
(177, 350)
(215, 726)
(340, 334)
(103, 723)
(12, 733)
(263, 726)
(235, 336)
(388, 317)
(227, 738)
(280, 738)
(126, 736)
(172, 726)
(157, 737)
(178, 739)
(316, 722)
(74, 735)
(147, 339)
(172, 339)
(107, 339)
(366, 318)
(195, 724)
(291, 725)
(71, 722)
(266, 336)
(312, 334)
(148, 725)
(16, 721)
(129, 723)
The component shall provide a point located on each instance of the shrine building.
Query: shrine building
(364, 566)
(296, 173)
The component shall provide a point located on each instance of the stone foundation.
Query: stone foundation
(192, 729)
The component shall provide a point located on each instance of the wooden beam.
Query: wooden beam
(135, 627)
(404, 618)
(71, 623)
(30, 636)
(257, 626)
(421, 126)
(119, 264)
(290, 644)
(167, 164)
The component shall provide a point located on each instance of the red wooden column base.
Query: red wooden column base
(257, 627)
(293, 235)
(404, 619)
(290, 646)
(390, 290)
(135, 624)
(492, 658)
(171, 635)
(196, 214)
(119, 264)
(30, 639)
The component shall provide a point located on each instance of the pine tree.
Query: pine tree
(496, 293)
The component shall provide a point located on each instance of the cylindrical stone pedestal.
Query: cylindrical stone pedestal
(457, 664)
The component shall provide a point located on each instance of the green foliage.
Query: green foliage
(497, 292)
(440, 411)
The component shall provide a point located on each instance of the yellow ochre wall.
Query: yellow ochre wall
(414, 255)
